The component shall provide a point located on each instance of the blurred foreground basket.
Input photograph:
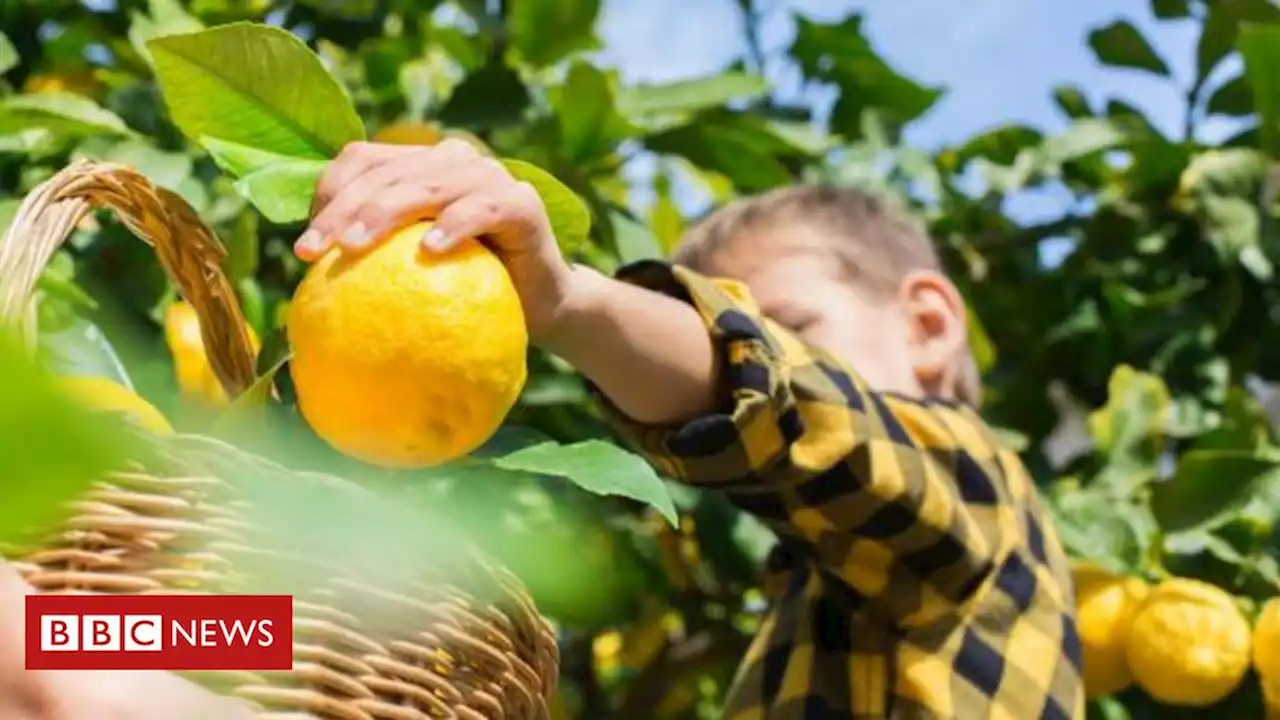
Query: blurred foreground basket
(174, 523)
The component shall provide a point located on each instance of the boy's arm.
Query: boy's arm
(650, 354)
(872, 484)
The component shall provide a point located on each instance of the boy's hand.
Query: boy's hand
(370, 190)
(649, 353)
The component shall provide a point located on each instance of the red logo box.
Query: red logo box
(159, 632)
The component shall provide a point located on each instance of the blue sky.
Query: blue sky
(998, 60)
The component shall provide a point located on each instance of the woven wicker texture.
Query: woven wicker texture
(460, 639)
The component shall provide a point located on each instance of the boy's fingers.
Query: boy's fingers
(501, 213)
(416, 185)
(354, 160)
(335, 223)
(421, 198)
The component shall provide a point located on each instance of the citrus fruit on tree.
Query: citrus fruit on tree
(406, 358)
(79, 82)
(1266, 653)
(192, 369)
(409, 133)
(1189, 644)
(102, 395)
(1106, 605)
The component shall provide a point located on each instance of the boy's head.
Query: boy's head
(848, 273)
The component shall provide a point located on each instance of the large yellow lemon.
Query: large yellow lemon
(191, 365)
(405, 358)
(102, 395)
(1106, 605)
(1266, 653)
(1189, 644)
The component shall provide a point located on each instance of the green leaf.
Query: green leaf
(248, 410)
(1096, 527)
(1235, 97)
(60, 297)
(80, 349)
(742, 148)
(348, 9)
(570, 217)
(1231, 224)
(589, 123)
(1072, 101)
(166, 169)
(1222, 27)
(255, 85)
(164, 17)
(63, 114)
(1171, 9)
(1109, 708)
(1243, 425)
(1121, 45)
(8, 55)
(544, 390)
(598, 467)
(490, 97)
(1129, 431)
(1234, 172)
(283, 192)
(1260, 46)
(1000, 145)
(803, 136)
(51, 447)
(1220, 187)
(840, 53)
(1131, 120)
(243, 253)
(635, 240)
(545, 32)
(690, 96)
(665, 217)
(1210, 486)
(1011, 179)
(509, 439)
(1083, 138)
(239, 160)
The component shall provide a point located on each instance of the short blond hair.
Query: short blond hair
(878, 242)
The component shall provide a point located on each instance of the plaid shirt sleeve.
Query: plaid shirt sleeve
(902, 499)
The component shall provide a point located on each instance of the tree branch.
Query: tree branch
(751, 15)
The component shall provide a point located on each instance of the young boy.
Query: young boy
(827, 390)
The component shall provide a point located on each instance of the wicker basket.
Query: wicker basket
(173, 523)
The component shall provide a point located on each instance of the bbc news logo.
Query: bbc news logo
(159, 632)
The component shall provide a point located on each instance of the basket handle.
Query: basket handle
(188, 250)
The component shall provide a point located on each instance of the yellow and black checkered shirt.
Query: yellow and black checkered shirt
(923, 577)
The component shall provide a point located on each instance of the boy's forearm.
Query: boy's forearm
(650, 354)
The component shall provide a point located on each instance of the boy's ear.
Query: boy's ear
(937, 322)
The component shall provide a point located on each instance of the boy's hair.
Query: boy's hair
(877, 243)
